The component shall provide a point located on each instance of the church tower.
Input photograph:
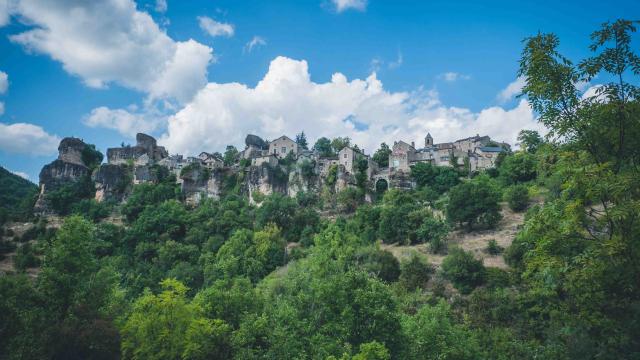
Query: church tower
(428, 140)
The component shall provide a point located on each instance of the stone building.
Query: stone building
(211, 161)
(270, 159)
(282, 146)
(254, 146)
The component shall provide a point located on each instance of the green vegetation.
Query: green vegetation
(517, 197)
(228, 280)
(17, 196)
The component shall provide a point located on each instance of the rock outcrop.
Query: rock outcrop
(266, 180)
(112, 181)
(67, 169)
(146, 151)
(198, 183)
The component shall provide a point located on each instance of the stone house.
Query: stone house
(486, 157)
(471, 143)
(270, 159)
(348, 156)
(145, 145)
(402, 154)
(323, 165)
(282, 146)
(211, 161)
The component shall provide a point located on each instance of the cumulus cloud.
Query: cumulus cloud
(111, 41)
(29, 139)
(215, 28)
(286, 101)
(453, 76)
(127, 122)
(256, 41)
(513, 89)
(4, 82)
(342, 5)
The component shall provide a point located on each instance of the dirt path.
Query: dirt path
(475, 242)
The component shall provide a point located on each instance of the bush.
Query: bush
(6, 247)
(474, 203)
(518, 197)
(493, 248)
(518, 168)
(415, 272)
(463, 270)
(433, 232)
(26, 258)
(349, 199)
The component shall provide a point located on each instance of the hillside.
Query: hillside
(16, 194)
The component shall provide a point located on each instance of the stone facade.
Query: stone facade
(282, 146)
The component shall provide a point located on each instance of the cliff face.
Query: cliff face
(266, 180)
(199, 183)
(112, 181)
(68, 168)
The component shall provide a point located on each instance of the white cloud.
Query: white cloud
(23, 175)
(453, 76)
(342, 5)
(4, 82)
(5, 14)
(111, 41)
(256, 41)
(512, 90)
(23, 138)
(161, 6)
(215, 28)
(591, 92)
(286, 101)
(126, 122)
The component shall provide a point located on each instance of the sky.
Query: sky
(200, 75)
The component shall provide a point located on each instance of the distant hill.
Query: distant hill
(16, 194)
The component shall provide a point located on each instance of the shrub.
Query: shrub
(493, 248)
(415, 272)
(463, 270)
(474, 203)
(433, 232)
(518, 197)
(26, 258)
(349, 199)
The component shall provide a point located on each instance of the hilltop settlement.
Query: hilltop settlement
(263, 167)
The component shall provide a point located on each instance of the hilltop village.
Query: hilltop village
(264, 167)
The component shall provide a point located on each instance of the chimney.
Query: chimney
(413, 144)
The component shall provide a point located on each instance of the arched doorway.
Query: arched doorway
(381, 186)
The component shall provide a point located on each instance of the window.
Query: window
(284, 149)
(396, 163)
(345, 155)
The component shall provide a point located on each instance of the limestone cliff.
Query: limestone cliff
(68, 168)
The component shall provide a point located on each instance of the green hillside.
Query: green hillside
(16, 195)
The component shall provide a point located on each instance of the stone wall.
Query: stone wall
(70, 150)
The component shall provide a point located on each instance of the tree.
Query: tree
(530, 140)
(168, 326)
(230, 155)
(433, 232)
(340, 143)
(381, 156)
(517, 197)
(323, 147)
(463, 270)
(415, 272)
(474, 203)
(439, 178)
(518, 168)
(301, 140)
(91, 157)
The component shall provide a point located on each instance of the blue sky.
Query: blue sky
(87, 71)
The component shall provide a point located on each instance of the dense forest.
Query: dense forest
(283, 280)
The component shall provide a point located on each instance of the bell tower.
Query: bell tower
(428, 140)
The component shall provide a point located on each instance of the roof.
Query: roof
(477, 137)
(491, 149)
